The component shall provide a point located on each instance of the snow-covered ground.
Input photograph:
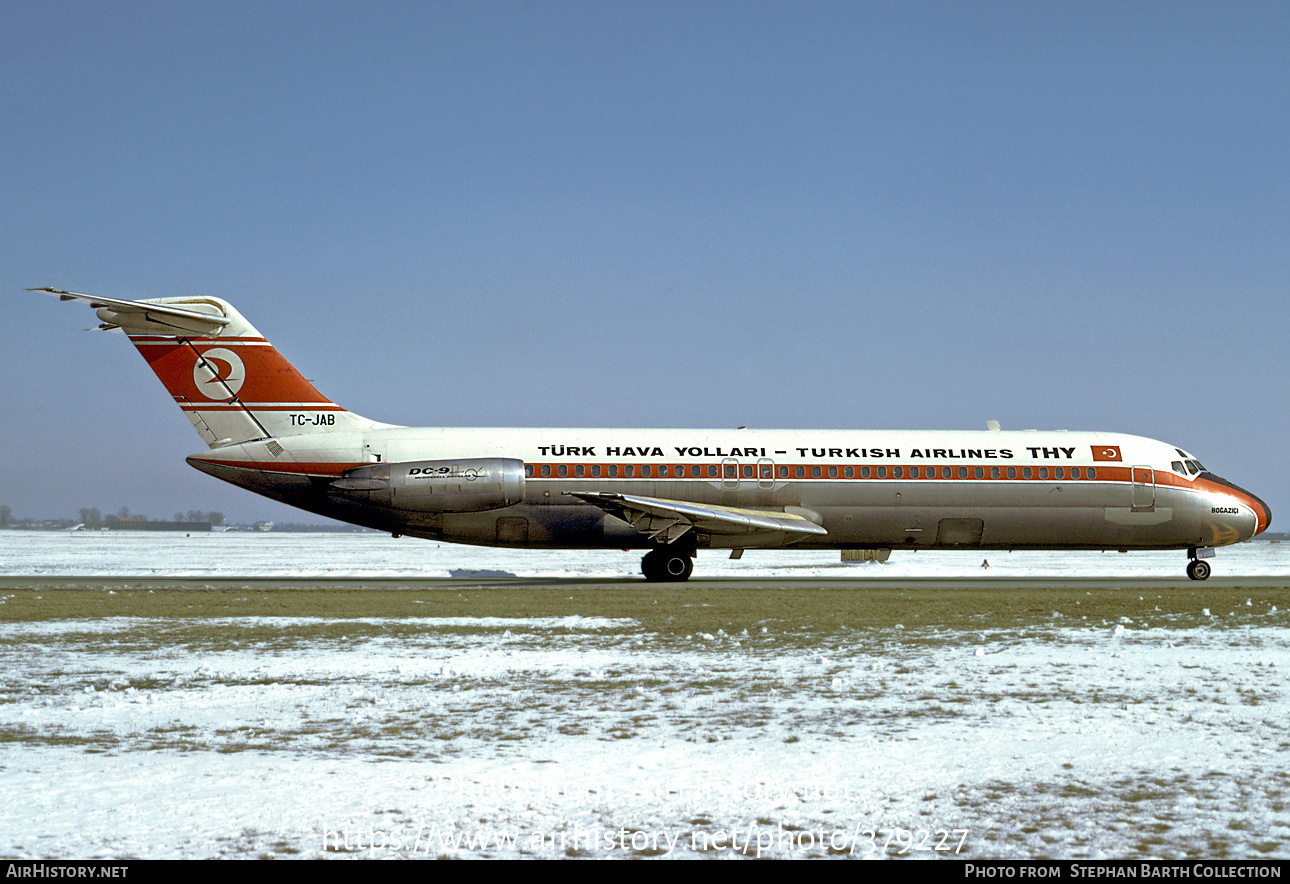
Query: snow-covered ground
(379, 555)
(1153, 733)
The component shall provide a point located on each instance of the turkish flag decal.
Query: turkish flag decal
(1106, 452)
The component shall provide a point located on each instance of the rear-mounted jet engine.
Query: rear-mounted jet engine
(436, 486)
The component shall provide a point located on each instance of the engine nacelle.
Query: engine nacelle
(469, 485)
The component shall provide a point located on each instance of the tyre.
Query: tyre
(666, 566)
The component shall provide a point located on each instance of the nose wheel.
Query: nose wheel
(1198, 569)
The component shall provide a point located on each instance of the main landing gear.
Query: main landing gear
(668, 564)
(1197, 567)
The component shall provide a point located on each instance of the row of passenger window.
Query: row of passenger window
(766, 471)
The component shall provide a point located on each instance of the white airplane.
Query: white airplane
(671, 492)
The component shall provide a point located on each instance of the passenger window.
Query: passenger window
(528, 470)
(1026, 473)
(613, 471)
(1043, 472)
(712, 471)
(562, 470)
(629, 471)
(864, 472)
(749, 472)
(546, 470)
(783, 472)
(994, 472)
(801, 472)
(1092, 473)
(898, 472)
(946, 472)
(662, 471)
(815, 472)
(647, 471)
(595, 471)
(962, 472)
(1059, 473)
(580, 470)
(1074, 472)
(833, 472)
(731, 471)
(695, 472)
(913, 472)
(766, 471)
(1012, 472)
(979, 472)
(882, 472)
(849, 472)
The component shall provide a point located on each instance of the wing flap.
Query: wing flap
(667, 520)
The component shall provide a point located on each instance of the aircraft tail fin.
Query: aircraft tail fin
(230, 382)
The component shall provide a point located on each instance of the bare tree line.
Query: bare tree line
(92, 517)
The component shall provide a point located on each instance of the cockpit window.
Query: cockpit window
(1178, 468)
(1196, 466)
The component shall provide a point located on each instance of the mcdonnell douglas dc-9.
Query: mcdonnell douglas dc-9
(670, 492)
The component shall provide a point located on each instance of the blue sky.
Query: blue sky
(851, 215)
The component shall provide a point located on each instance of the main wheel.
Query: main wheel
(1198, 569)
(666, 566)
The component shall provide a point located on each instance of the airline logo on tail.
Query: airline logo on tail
(216, 381)
(250, 371)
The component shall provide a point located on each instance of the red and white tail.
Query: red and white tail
(230, 382)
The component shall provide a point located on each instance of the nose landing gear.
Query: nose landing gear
(1197, 567)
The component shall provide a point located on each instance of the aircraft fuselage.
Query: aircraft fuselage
(867, 489)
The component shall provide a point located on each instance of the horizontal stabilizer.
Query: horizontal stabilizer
(141, 317)
(666, 520)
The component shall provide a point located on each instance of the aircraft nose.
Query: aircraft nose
(1261, 511)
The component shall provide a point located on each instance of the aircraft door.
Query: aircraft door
(730, 473)
(1144, 488)
(765, 473)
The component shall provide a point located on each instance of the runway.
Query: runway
(476, 580)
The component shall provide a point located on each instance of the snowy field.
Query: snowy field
(379, 555)
(1059, 726)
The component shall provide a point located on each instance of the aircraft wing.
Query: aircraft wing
(667, 520)
(140, 316)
